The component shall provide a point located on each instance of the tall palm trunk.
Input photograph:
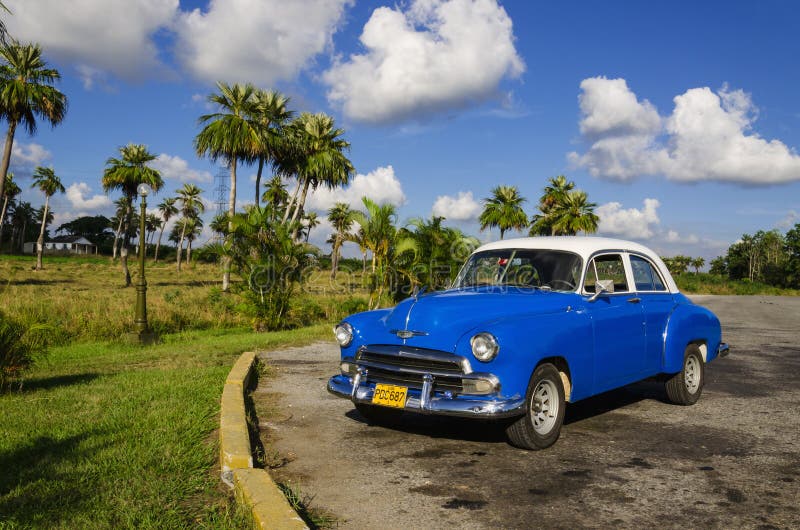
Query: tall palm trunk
(40, 241)
(302, 202)
(226, 260)
(158, 245)
(12, 127)
(291, 202)
(335, 257)
(126, 241)
(189, 253)
(22, 235)
(3, 220)
(258, 180)
(180, 246)
(117, 235)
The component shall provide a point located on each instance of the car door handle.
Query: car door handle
(634, 300)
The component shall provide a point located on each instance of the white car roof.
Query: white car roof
(584, 246)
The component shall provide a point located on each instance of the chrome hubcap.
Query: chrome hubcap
(691, 375)
(544, 407)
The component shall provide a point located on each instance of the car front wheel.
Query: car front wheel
(544, 411)
(685, 387)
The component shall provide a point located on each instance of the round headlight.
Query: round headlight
(484, 346)
(344, 334)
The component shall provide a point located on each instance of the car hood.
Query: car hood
(441, 318)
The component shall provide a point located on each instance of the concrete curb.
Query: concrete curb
(254, 487)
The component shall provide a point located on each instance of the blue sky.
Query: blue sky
(680, 119)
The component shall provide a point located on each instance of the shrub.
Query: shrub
(20, 344)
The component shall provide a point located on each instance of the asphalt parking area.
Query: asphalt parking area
(626, 458)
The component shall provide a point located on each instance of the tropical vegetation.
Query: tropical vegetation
(125, 174)
(48, 183)
(27, 93)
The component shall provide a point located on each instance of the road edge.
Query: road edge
(253, 487)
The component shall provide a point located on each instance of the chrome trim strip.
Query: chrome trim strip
(463, 406)
(421, 354)
(412, 371)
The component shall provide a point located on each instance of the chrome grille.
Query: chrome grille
(406, 366)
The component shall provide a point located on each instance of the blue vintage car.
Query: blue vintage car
(529, 325)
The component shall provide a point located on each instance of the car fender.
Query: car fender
(526, 340)
(689, 323)
(366, 327)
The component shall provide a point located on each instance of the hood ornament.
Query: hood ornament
(408, 333)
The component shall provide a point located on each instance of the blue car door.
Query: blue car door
(657, 304)
(618, 325)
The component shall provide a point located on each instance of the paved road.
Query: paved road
(626, 458)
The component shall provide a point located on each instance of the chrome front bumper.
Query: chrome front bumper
(723, 349)
(426, 401)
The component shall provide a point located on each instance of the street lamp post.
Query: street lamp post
(142, 334)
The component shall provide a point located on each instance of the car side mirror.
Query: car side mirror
(600, 287)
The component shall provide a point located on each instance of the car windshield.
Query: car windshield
(528, 268)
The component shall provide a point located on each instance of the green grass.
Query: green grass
(702, 283)
(104, 435)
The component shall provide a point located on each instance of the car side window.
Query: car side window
(606, 267)
(645, 275)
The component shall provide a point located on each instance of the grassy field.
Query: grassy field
(105, 435)
(84, 299)
(702, 283)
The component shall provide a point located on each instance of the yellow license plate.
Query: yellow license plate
(390, 396)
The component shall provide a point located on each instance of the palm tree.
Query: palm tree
(574, 214)
(270, 114)
(192, 227)
(11, 190)
(697, 263)
(504, 210)
(230, 134)
(152, 223)
(312, 221)
(125, 174)
(48, 182)
(553, 197)
(341, 218)
(314, 154)
(275, 197)
(26, 92)
(380, 236)
(167, 209)
(23, 216)
(191, 206)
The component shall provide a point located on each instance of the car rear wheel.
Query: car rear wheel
(545, 405)
(685, 387)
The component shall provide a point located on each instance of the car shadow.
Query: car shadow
(493, 430)
(487, 431)
(615, 399)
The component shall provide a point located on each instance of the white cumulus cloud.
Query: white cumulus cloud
(462, 207)
(629, 223)
(25, 158)
(176, 168)
(674, 237)
(381, 185)
(708, 136)
(434, 55)
(260, 41)
(96, 35)
(78, 196)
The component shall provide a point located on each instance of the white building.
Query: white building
(63, 245)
